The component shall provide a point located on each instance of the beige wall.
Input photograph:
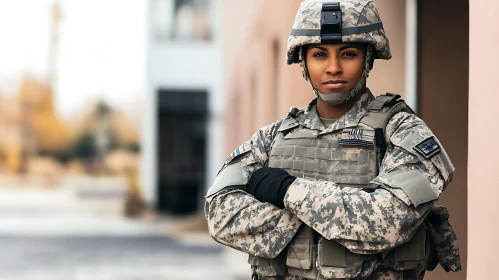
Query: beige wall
(389, 75)
(260, 87)
(443, 103)
(483, 154)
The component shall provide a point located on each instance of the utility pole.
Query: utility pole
(54, 42)
(30, 96)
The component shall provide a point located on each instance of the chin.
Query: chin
(344, 88)
(329, 91)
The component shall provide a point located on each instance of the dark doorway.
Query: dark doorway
(182, 150)
(443, 102)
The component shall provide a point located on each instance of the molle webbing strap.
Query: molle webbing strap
(379, 119)
(387, 100)
(379, 138)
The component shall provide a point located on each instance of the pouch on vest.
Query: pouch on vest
(269, 267)
(302, 252)
(443, 239)
(411, 255)
(336, 262)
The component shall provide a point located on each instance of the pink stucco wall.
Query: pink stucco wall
(260, 87)
(483, 153)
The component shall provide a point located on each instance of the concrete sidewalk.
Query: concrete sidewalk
(73, 233)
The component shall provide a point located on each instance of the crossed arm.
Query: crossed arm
(364, 222)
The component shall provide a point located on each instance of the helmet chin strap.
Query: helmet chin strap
(342, 97)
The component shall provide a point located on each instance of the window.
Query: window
(182, 20)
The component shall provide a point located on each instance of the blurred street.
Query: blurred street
(75, 233)
(109, 257)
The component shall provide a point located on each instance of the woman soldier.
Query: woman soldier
(343, 188)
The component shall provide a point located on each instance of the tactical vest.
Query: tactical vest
(349, 158)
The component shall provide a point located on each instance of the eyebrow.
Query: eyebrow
(342, 48)
(349, 46)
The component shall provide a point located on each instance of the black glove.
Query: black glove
(269, 185)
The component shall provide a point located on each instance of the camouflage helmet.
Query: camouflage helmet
(323, 22)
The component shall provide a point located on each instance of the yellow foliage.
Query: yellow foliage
(37, 107)
(12, 156)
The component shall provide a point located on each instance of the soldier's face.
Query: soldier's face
(335, 68)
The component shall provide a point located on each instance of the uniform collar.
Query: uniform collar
(310, 119)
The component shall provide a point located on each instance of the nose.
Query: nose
(334, 66)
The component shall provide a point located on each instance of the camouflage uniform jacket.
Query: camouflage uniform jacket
(363, 222)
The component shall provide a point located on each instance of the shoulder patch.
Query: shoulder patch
(428, 148)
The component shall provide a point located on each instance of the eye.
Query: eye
(319, 54)
(349, 54)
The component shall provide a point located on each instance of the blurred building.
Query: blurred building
(183, 117)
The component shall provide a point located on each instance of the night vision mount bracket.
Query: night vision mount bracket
(331, 17)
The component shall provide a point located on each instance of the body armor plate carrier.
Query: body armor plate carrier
(348, 161)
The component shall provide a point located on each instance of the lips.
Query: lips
(336, 84)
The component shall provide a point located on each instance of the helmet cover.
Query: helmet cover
(360, 23)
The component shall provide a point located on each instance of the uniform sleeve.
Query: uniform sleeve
(237, 219)
(371, 222)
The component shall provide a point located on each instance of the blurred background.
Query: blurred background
(117, 115)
